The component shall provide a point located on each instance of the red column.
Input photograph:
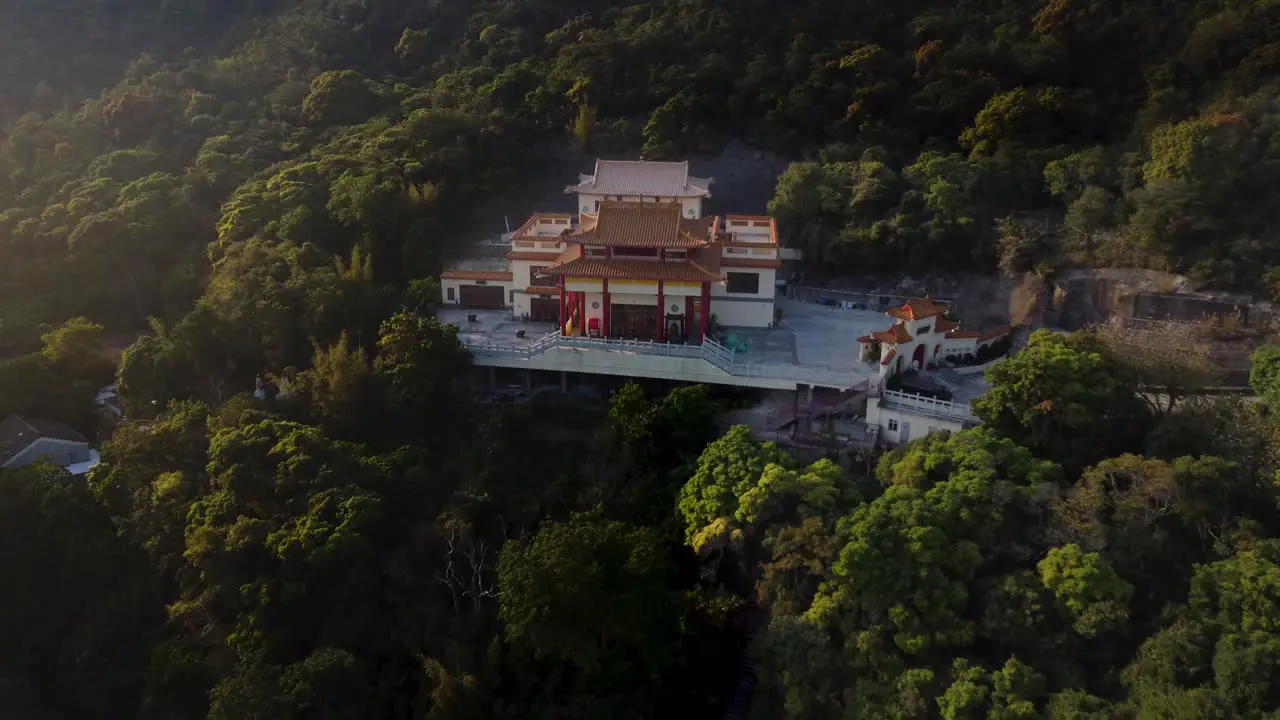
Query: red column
(688, 318)
(706, 308)
(582, 313)
(562, 317)
(662, 323)
(604, 309)
(662, 303)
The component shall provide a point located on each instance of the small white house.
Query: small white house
(24, 441)
(902, 417)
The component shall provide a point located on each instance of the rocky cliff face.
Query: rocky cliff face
(1083, 298)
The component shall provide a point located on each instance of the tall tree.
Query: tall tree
(1063, 399)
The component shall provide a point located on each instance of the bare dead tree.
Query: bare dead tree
(464, 569)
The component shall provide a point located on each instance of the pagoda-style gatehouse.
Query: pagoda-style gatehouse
(638, 271)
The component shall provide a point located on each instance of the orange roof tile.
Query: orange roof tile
(656, 225)
(573, 252)
(997, 332)
(700, 227)
(634, 270)
(523, 230)
(551, 255)
(917, 310)
(541, 291)
(709, 258)
(475, 275)
(894, 335)
(888, 358)
(751, 262)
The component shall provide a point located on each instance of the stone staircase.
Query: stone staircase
(754, 620)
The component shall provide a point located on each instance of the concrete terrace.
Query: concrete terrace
(814, 346)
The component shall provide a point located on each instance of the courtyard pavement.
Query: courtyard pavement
(810, 336)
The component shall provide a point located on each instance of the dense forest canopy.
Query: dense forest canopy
(1138, 132)
(200, 197)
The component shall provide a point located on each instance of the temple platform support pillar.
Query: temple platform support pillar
(706, 310)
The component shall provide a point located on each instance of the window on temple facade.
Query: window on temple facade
(743, 283)
(536, 280)
(595, 253)
(677, 255)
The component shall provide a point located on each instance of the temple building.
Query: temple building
(921, 336)
(639, 261)
(640, 182)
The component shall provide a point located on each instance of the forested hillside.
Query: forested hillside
(153, 141)
(196, 197)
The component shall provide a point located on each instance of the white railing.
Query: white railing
(930, 406)
(795, 373)
(710, 351)
(639, 347)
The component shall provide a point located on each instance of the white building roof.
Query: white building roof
(82, 468)
(643, 179)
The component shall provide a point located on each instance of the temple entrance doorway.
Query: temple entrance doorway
(633, 321)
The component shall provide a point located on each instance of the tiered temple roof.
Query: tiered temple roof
(642, 225)
(912, 310)
(651, 225)
(896, 334)
(643, 179)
